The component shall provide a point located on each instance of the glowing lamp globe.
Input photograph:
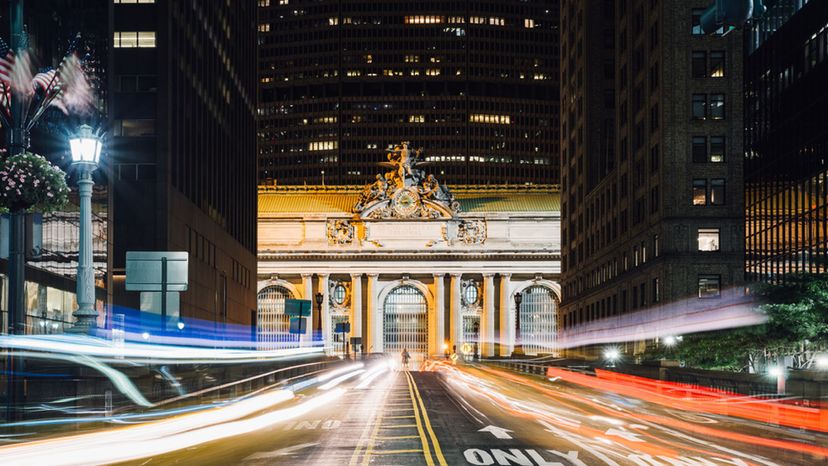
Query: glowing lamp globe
(86, 146)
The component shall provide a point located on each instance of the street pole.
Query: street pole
(86, 317)
(518, 352)
(18, 141)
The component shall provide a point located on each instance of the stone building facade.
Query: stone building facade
(412, 264)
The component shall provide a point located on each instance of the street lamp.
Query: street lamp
(476, 331)
(86, 153)
(518, 351)
(319, 298)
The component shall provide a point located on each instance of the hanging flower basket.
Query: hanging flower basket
(29, 183)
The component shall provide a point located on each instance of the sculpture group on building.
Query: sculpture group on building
(406, 191)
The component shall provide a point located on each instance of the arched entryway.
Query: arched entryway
(538, 319)
(272, 325)
(405, 320)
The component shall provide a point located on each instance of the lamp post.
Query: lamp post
(319, 297)
(476, 330)
(86, 153)
(518, 351)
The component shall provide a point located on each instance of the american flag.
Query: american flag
(45, 80)
(6, 63)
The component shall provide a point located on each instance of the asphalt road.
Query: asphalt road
(478, 415)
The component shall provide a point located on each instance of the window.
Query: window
(654, 199)
(717, 191)
(131, 2)
(708, 239)
(699, 149)
(717, 149)
(710, 286)
(717, 64)
(696, 28)
(656, 290)
(134, 128)
(636, 256)
(699, 106)
(656, 249)
(717, 106)
(655, 156)
(133, 39)
(698, 64)
(699, 192)
(654, 118)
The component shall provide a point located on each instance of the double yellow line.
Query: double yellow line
(420, 412)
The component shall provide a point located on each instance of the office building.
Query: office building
(786, 153)
(475, 82)
(655, 223)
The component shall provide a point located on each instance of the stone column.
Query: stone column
(487, 319)
(439, 314)
(356, 305)
(325, 312)
(374, 317)
(507, 318)
(307, 290)
(455, 317)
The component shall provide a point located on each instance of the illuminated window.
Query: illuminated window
(369, 58)
(264, 27)
(412, 59)
(717, 64)
(717, 191)
(333, 21)
(539, 76)
(456, 20)
(322, 145)
(266, 80)
(416, 118)
(710, 286)
(282, 2)
(717, 106)
(264, 3)
(415, 72)
(490, 119)
(497, 21)
(424, 19)
(354, 73)
(529, 23)
(324, 120)
(708, 239)
(133, 39)
(717, 149)
(477, 20)
(433, 72)
(699, 192)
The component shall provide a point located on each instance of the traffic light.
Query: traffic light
(730, 14)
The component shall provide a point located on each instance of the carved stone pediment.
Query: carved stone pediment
(405, 192)
(468, 232)
(340, 232)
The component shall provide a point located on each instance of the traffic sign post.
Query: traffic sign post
(298, 310)
(343, 328)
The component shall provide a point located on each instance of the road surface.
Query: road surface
(468, 415)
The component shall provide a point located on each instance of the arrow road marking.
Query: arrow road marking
(281, 452)
(498, 432)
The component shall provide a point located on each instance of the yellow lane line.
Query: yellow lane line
(423, 440)
(370, 440)
(437, 451)
(395, 452)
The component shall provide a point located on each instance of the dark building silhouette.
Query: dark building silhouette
(475, 83)
(183, 153)
(786, 143)
(654, 220)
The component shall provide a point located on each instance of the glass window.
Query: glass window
(717, 191)
(708, 239)
(696, 28)
(710, 286)
(339, 294)
(717, 106)
(656, 290)
(717, 64)
(145, 127)
(699, 106)
(699, 64)
(128, 83)
(717, 149)
(699, 192)
(699, 149)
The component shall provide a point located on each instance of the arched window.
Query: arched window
(272, 325)
(470, 311)
(538, 320)
(405, 321)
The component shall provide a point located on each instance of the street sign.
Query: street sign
(156, 270)
(298, 307)
(298, 325)
(356, 341)
(342, 327)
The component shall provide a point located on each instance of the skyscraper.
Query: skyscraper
(657, 219)
(183, 152)
(475, 83)
(786, 164)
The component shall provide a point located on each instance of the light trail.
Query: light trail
(182, 431)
